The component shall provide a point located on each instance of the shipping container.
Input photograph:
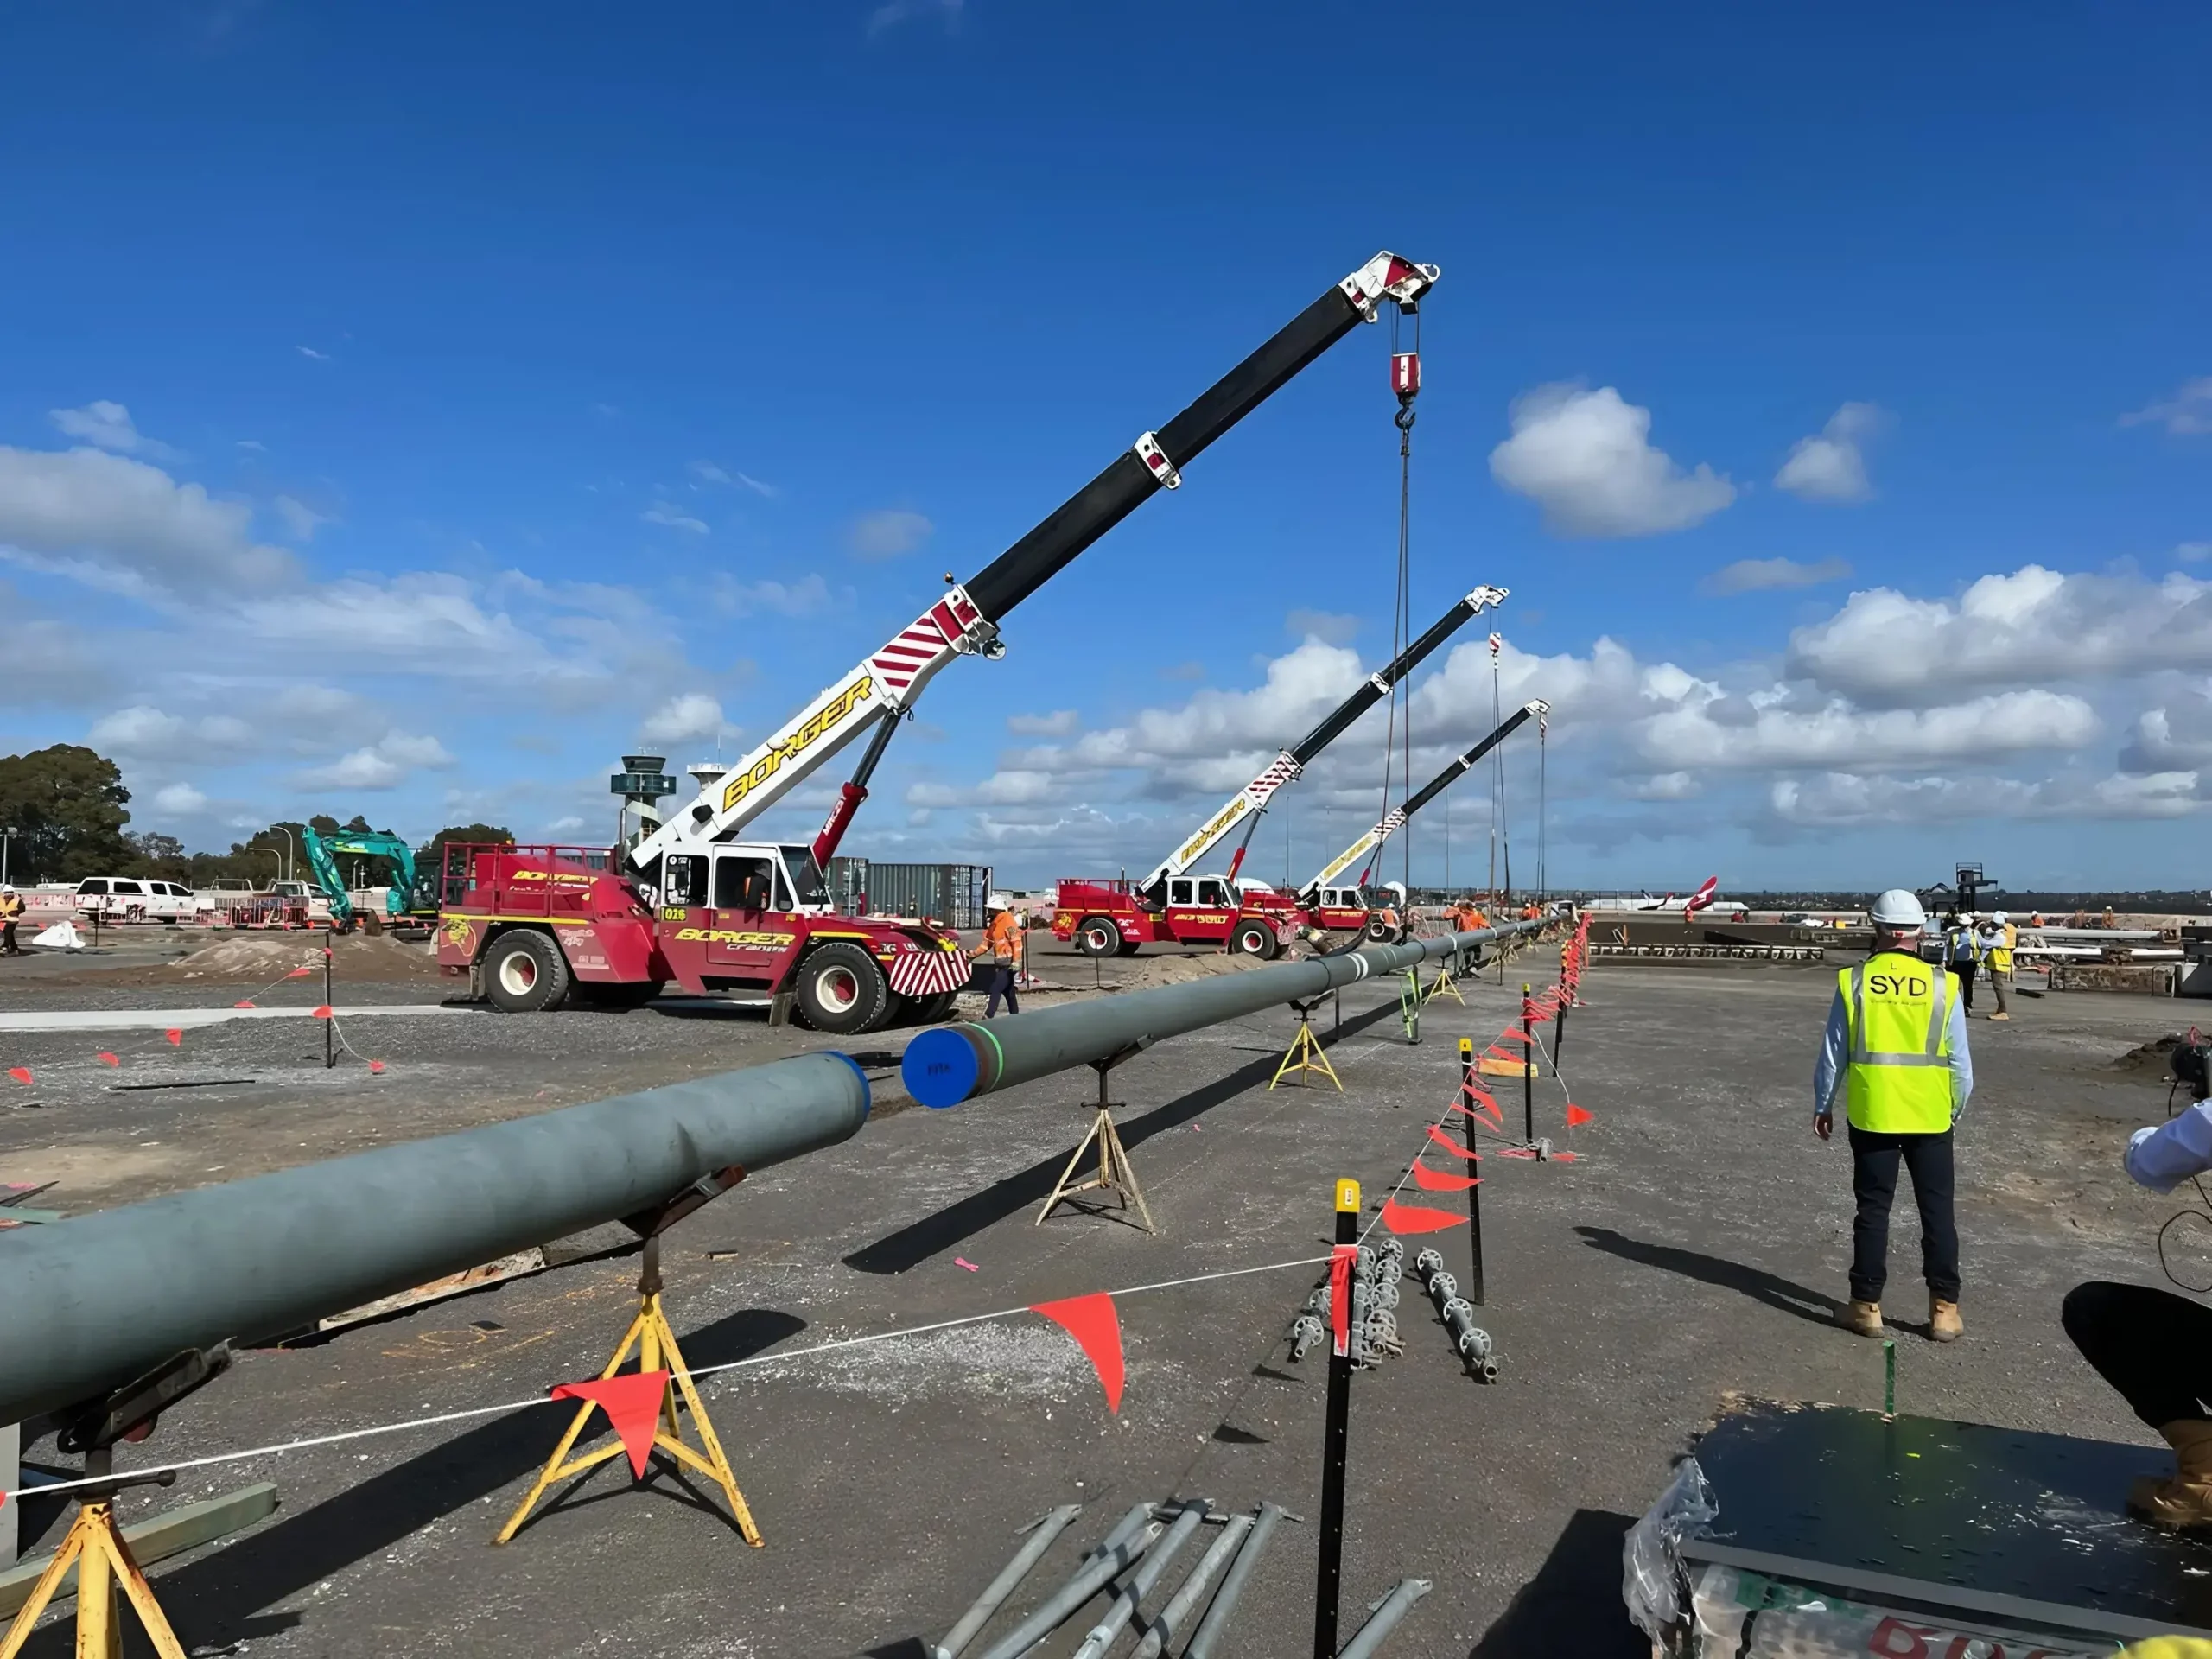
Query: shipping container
(950, 893)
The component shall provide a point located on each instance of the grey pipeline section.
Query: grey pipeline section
(1025, 1046)
(97, 1301)
(1041, 1534)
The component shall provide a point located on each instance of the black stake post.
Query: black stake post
(1559, 1022)
(1474, 1193)
(1328, 1581)
(330, 1013)
(1528, 1069)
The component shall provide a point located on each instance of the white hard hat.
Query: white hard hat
(1997, 915)
(997, 901)
(1900, 909)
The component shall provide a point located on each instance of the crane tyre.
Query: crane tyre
(526, 973)
(1253, 939)
(626, 994)
(1130, 947)
(1099, 936)
(840, 990)
(931, 1009)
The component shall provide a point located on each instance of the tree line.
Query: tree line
(70, 813)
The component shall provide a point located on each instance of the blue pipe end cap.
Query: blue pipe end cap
(939, 1067)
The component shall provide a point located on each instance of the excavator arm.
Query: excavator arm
(1395, 820)
(876, 691)
(1287, 766)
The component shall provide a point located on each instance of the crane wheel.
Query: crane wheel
(931, 1009)
(1254, 939)
(626, 994)
(526, 973)
(1098, 936)
(840, 990)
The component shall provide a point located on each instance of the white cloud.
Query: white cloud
(1015, 788)
(309, 351)
(2193, 552)
(144, 732)
(673, 518)
(2030, 627)
(178, 800)
(805, 597)
(300, 519)
(1841, 800)
(707, 473)
(108, 426)
(691, 717)
(385, 764)
(1666, 786)
(2175, 735)
(894, 12)
(128, 523)
(1831, 466)
(254, 444)
(1061, 722)
(1327, 627)
(2188, 413)
(1760, 575)
(887, 534)
(1586, 457)
(1737, 734)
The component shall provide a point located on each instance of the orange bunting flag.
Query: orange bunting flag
(175, 1037)
(107, 1058)
(1440, 1180)
(1096, 1329)
(322, 1012)
(1342, 1259)
(1418, 1219)
(1451, 1145)
(299, 973)
(246, 1004)
(1491, 1117)
(1576, 1116)
(1512, 1034)
(632, 1404)
(22, 1074)
(376, 1065)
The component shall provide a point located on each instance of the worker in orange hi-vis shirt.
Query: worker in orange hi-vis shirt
(1002, 940)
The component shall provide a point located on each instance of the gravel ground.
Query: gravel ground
(1697, 1249)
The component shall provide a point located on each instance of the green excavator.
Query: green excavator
(409, 904)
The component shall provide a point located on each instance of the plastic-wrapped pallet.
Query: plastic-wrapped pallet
(1736, 1614)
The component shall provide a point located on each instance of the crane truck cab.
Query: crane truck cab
(1109, 919)
(532, 926)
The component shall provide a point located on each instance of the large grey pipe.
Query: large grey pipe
(947, 1064)
(90, 1304)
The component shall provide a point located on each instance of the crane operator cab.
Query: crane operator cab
(742, 901)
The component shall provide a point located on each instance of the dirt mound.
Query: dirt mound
(1149, 973)
(2156, 1055)
(257, 960)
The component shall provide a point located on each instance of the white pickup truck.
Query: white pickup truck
(128, 899)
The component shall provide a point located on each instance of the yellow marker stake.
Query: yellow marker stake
(1348, 1197)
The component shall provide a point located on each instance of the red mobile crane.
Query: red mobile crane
(1113, 917)
(693, 904)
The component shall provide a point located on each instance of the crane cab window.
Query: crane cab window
(1181, 890)
(747, 881)
(684, 880)
(1213, 891)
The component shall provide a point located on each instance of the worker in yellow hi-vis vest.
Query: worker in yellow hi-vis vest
(1896, 1049)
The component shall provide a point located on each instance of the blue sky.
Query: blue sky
(408, 408)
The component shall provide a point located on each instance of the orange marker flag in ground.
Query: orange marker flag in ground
(322, 1012)
(107, 1058)
(175, 1037)
(376, 1065)
(1418, 1219)
(246, 1004)
(1439, 1180)
(1576, 1116)
(1449, 1145)
(1096, 1329)
(21, 1073)
(632, 1404)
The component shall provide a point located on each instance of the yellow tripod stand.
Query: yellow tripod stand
(104, 1566)
(1305, 1052)
(651, 1335)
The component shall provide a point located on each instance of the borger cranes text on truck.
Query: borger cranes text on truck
(690, 903)
(1171, 905)
(1332, 904)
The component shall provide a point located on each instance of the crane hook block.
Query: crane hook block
(1156, 462)
(1405, 375)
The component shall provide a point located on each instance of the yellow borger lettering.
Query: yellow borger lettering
(1898, 1013)
(832, 715)
(1228, 815)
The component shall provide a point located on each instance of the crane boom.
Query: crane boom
(1286, 766)
(965, 621)
(1396, 819)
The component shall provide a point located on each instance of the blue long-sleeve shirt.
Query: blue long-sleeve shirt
(1835, 1054)
(2162, 1157)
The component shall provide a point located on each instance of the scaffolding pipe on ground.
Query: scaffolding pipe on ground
(947, 1064)
(95, 1302)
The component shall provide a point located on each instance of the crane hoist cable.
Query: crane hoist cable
(1497, 764)
(1543, 806)
(1405, 380)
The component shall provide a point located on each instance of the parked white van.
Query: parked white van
(127, 899)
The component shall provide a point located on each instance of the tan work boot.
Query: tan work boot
(1944, 1324)
(2185, 1500)
(2000, 1016)
(1861, 1319)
